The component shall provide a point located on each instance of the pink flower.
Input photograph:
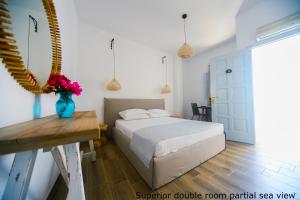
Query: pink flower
(63, 84)
(75, 88)
(63, 77)
(60, 83)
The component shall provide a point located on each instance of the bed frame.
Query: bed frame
(163, 169)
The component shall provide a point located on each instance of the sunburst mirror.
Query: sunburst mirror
(29, 38)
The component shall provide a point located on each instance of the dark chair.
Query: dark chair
(196, 112)
(201, 112)
(204, 113)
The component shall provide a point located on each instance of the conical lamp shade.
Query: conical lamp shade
(113, 85)
(185, 51)
(165, 89)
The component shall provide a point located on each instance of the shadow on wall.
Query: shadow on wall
(201, 97)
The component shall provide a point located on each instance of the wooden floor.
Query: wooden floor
(240, 168)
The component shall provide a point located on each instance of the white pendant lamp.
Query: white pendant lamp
(113, 85)
(185, 51)
(166, 88)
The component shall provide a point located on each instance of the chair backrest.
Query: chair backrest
(195, 109)
(203, 110)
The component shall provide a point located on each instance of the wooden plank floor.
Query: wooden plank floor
(240, 168)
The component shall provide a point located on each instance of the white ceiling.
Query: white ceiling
(158, 23)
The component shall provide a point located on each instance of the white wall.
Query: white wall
(177, 86)
(196, 76)
(138, 69)
(17, 106)
(262, 13)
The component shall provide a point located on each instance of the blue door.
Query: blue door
(232, 96)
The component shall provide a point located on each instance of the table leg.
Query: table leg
(92, 149)
(76, 189)
(91, 153)
(19, 176)
(60, 164)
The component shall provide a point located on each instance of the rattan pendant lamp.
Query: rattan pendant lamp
(185, 51)
(166, 88)
(113, 85)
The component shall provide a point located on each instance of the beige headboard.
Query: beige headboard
(112, 107)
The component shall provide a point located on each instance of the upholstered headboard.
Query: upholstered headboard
(112, 107)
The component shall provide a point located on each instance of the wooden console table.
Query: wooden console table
(47, 133)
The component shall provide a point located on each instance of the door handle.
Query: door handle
(213, 99)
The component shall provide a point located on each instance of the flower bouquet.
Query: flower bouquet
(60, 84)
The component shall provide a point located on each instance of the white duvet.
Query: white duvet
(165, 147)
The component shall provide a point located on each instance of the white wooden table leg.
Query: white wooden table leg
(92, 148)
(19, 176)
(91, 153)
(81, 155)
(76, 189)
(60, 164)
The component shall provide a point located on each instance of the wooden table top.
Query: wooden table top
(48, 132)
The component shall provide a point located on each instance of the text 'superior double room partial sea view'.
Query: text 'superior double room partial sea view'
(149, 99)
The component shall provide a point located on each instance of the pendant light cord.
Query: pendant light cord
(112, 46)
(28, 43)
(163, 60)
(166, 73)
(184, 30)
(28, 37)
(114, 62)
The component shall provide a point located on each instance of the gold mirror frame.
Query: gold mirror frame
(11, 57)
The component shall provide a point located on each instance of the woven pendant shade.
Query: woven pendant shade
(185, 51)
(166, 89)
(113, 85)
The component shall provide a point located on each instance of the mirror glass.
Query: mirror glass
(32, 33)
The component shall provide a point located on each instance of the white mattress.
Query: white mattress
(165, 147)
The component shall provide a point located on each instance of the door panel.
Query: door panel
(238, 94)
(223, 109)
(239, 110)
(222, 79)
(232, 88)
(238, 77)
(240, 125)
(223, 95)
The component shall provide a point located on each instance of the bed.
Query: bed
(172, 158)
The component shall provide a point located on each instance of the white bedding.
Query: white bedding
(165, 147)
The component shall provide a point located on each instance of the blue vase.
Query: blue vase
(65, 106)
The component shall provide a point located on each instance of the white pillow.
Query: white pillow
(136, 116)
(158, 113)
(135, 111)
